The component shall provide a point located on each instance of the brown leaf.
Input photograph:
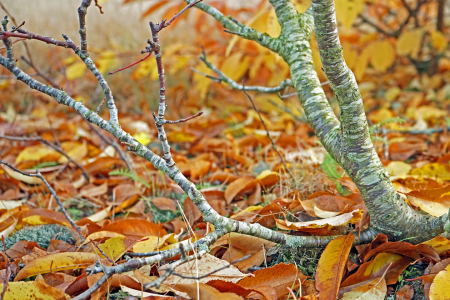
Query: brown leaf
(240, 245)
(376, 268)
(135, 228)
(405, 293)
(405, 249)
(277, 277)
(164, 203)
(239, 186)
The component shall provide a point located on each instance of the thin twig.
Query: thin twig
(165, 24)
(178, 121)
(103, 253)
(267, 131)
(50, 145)
(99, 7)
(100, 105)
(114, 144)
(48, 79)
(52, 191)
(129, 66)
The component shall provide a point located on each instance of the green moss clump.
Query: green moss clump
(41, 234)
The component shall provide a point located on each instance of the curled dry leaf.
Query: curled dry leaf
(239, 246)
(323, 225)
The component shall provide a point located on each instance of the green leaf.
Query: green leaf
(330, 167)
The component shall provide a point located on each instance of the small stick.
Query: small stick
(52, 191)
(267, 131)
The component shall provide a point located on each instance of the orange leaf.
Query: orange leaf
(331, 266)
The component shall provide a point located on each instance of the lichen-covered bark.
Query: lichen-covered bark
(389, 213)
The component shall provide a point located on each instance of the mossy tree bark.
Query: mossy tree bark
(346, 139)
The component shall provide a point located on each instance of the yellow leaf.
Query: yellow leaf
(396, 168)
(438, 41)
(409, 42)
(434, 170)
(273, 27)
(180, 137)
(347, 11)
(302, 5)
(392, 93)
(382, 55)
(75, 70)
(150, 243)
(114, 248)
(373, 290)
(427, 112)
(106, 61)
(250, 22)
(101, 235)
(37, 153)
(235, 65)
(76, 151)
(142, 137)
(361, 63)
(57, 262)
(31, 290)
(439, 244)
(439, 288)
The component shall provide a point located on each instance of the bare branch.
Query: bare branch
(235, 85)
(52, 191)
